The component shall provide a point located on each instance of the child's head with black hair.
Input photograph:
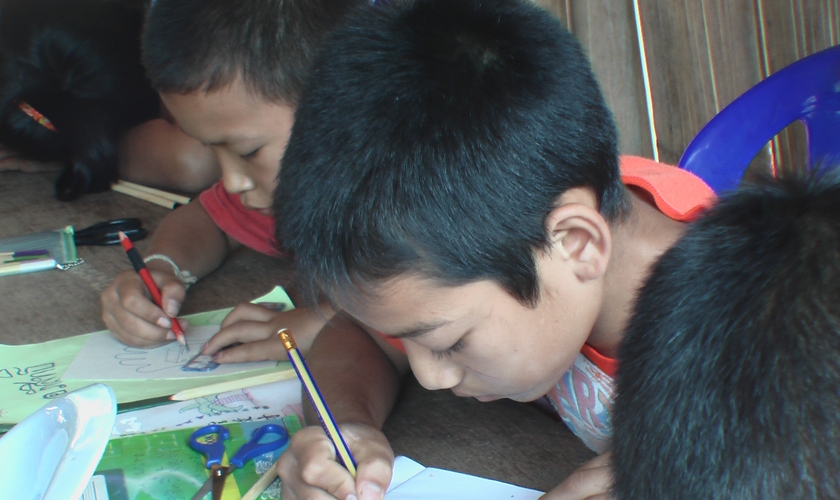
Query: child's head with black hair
(71, 83)
(452, 180)
(435, 139)
(204, 45)
(231, 72)
(729, 376)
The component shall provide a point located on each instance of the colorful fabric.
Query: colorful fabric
(583, 398)
(249, 227)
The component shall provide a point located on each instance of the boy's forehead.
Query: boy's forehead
(228, 114)
(409, 305)
(391, 293)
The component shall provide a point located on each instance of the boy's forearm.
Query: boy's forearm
(158, 153)
(190, 238)
(356, 378)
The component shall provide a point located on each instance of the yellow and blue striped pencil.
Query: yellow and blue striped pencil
(327, 420)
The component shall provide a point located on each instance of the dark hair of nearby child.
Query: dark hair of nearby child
(206, 44)
(729, 371)
(71, 83)
(497, 122)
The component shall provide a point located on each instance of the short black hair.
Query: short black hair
(76, 62)
(434, 137)
(729, 377)
(191, 45)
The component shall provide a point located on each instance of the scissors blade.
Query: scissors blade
(204, 490)
(215, 473)
(218, 475)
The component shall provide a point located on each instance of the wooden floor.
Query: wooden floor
(503, 440)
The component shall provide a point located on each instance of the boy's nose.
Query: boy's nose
(235, 180)
(434, 373)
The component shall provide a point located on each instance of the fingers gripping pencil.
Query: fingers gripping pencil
(317, 400)
(140, 267)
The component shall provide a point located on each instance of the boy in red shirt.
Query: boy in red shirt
(230, 73)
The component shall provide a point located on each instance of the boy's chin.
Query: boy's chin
(520, 398)
(483, 399)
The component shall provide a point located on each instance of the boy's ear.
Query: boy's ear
(579, 234)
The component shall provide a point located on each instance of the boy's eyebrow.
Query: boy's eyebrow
(418, 330)
(229, 140)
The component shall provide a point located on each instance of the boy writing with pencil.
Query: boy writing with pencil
(230, 73)
(452, 184)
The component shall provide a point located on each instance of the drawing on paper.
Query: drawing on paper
(103, 357)
(209, 405)
(254, 404)
(200, 363)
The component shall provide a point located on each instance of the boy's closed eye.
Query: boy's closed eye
(456, 347)
(251, 154)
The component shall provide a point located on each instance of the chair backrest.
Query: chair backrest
(807, 90)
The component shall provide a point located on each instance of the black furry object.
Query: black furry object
(77, 62)
(729, 377)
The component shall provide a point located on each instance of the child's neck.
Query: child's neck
(637, 243)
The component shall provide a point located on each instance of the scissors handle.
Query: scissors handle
(214, 449)
(107, 232)
(253, 448)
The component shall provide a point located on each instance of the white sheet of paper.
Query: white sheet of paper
(404, 469)
(103, 357)
(439, 484)
(253, 404)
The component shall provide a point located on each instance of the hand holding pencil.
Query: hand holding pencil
(317, 400)
(308, 468)
(312, 465)
(140, 268)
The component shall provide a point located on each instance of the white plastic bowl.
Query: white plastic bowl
(52, 454)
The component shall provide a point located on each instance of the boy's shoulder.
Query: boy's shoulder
(249, 227)
(677, 193)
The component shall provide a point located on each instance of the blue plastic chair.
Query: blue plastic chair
(807, 90)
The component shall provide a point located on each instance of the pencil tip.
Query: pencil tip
(122, 235)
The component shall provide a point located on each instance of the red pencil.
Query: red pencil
(140, 267)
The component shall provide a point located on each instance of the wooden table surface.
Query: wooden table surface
(504, 440)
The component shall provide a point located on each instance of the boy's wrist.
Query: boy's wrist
(160, 267)
(161, 262)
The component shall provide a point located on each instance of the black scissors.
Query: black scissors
(107, 232)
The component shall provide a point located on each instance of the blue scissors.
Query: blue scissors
(210, 442)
